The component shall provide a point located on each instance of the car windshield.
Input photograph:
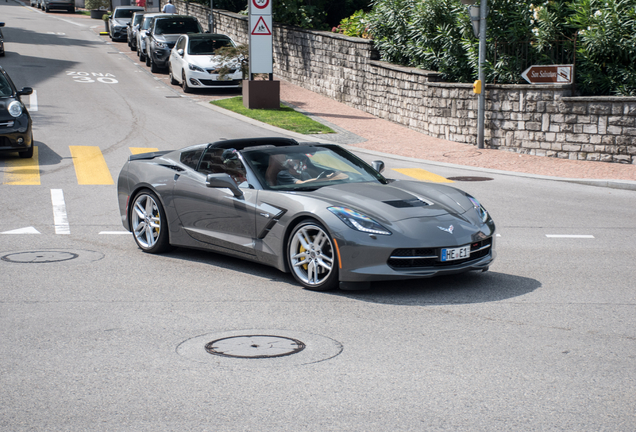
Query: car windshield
(5, 87)
(124, 13)
(207, 46)
(308, 167)
(177, 26)
(146, 23)
(138, 19)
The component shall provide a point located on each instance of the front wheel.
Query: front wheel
(148, 222)
(312, 256)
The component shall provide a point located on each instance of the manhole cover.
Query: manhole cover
(39, 257)
(267, 348)
(253, 347)
(470, 179)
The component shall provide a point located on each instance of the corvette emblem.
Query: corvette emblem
(448, 230)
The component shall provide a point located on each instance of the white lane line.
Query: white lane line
(576, 236)
(59, 212)
(27, 230)
(33, 101)
(114, 232)
(72, 22)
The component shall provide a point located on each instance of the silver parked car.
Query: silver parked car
(118, 21)
(141, 34)
(314, 210)
(133, 28)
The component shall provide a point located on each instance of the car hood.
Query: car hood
(121, 21)
(168, 38)
(397, 200)
(209, 61)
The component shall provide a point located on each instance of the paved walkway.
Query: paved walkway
(387, 137)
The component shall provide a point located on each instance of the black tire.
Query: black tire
(184, 84)
(27, 154)
(172, 80)
(153, 66)
(148, 60)
(142, 56)
(148, 223)
(312, 257)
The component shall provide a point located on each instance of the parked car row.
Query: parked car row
(177, 44)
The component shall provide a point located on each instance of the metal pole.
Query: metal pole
(211, 19)
(481, 109)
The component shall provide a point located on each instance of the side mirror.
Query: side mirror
(25, 91)
(223, 181)
(180, 52)
(378, 166)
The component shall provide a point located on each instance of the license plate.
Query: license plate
(452, 254)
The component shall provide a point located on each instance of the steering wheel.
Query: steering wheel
(324, 174)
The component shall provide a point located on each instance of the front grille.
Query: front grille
(412, 258)
(218, 83)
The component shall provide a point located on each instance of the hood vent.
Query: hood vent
(407, 203)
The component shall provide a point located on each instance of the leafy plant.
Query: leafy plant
(97, 4)
(228, 54)
(357, 25)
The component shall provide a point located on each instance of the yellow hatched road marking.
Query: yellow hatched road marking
(422, 175)
(23, 171)
(140, 150)
(90, 166)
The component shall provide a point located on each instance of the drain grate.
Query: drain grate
(470, 179)
(255, 346)
(38, 257)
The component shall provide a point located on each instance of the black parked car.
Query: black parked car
(163, 34)
(16, 134)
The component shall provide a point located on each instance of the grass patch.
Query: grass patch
(284, 118)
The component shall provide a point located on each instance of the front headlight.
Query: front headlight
(195, 68)
(161, 45)
(358, 221)
(483, 214)
(15, 109)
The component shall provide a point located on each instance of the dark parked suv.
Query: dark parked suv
(163, 34)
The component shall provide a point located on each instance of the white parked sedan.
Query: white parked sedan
(194, 64)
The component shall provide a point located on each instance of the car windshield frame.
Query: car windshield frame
(216, 41)
(316, 159)
(170, 26)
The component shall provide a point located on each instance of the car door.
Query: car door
(216, 216)
(177, 59)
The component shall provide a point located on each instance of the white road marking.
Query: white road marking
(576, 236)
(114, 232)
(60, 217)
(27, 230)
(72, 22)
(33, 101)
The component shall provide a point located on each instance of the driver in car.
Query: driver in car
(295, 172)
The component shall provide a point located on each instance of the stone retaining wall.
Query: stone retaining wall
(540, 120)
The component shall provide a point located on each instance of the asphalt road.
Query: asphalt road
(97, 335)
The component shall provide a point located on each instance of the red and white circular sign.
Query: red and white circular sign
(261, 4)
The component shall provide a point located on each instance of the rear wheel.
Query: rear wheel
(148, 223)
(312, 256)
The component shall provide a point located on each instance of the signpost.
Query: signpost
(548, 74)
(261, 93)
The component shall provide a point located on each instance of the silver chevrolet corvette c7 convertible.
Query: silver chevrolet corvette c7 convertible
(314, 210)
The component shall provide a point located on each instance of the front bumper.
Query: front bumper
(119, 33)
(199, 79)
(160, 56)
(16, 135)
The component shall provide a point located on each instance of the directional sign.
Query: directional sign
(548, 74)
(261, 7)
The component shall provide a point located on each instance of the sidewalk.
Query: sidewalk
(387, 137)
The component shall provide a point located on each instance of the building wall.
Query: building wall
(541, 120)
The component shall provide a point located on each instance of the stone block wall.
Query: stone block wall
(542, 120)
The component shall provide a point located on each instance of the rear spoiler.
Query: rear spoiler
(150, 155)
